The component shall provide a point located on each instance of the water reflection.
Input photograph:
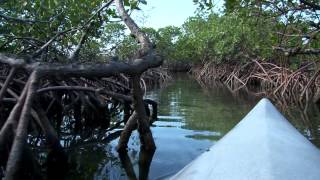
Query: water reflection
(201, 109)
(191, 119)
(145, 159)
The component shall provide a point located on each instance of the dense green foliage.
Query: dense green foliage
(225, 38)
(246, 29)
(257, 29)
(26, 26)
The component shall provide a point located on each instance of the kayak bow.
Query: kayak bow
(263, 146)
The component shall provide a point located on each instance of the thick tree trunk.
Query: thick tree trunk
(145, 133)
(145, 51)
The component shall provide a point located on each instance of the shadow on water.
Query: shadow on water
(191, 119)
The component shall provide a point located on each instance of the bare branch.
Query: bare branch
(311, 4)
(20, 20)
(298, 50)
(42, 48)
(135, 30)
(6, 84)
(12, 61)
(30, 40)
(87, 70)
(99, 10)
(75, 55)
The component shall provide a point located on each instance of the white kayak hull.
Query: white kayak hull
(263, 146)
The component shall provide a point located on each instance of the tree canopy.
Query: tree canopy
(57, 30)
(54, 30)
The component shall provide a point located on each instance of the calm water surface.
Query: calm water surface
(191, 119)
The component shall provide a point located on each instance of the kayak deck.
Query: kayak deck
(263, 146)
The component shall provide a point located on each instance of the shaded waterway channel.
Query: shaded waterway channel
(191, 119)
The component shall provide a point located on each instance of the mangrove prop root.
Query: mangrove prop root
(73, 96)
(146, 138)
(127, 165)
(12, 120)
(6, 84)
(13, 164)
(130, 126)
(273, 80)
(38, 109)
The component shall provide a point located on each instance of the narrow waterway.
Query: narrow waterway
(191, 119)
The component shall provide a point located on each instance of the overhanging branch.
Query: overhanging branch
(297, 51)
(135, 30)
(20, 20)
(86, 70)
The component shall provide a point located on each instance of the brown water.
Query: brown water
(191, 119)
